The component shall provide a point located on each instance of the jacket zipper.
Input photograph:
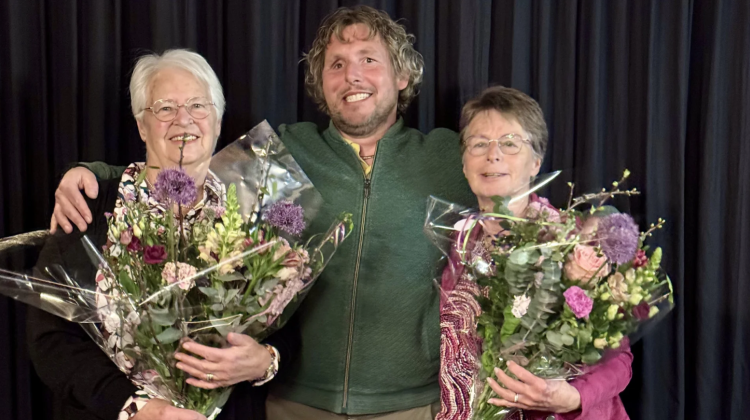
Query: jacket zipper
(368, 182)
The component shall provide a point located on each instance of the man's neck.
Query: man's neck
(368, 143)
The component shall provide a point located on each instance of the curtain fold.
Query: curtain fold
(660, 87)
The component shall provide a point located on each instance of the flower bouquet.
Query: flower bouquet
(161, 280)
(554, 289)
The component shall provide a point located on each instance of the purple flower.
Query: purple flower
(135, 245)
(641, 311)
(578, 301)
(286, 216)
(175, 186)
(154, 254)
(618, 236)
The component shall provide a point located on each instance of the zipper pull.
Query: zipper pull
(367, 187)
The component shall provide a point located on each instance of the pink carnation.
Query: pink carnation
(578, 301)
(181, 272)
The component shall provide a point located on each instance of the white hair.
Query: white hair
(148, 65)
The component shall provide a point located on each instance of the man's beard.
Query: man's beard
(365, 128)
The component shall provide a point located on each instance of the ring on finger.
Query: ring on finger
(515, 400)
(210, 378)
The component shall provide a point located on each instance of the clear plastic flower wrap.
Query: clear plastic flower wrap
(549, 289)
(236, 268)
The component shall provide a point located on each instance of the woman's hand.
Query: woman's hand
(70, 206)
(158, 409)
(534, 393)
(243, 360)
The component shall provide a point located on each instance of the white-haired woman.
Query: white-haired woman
(176, 97)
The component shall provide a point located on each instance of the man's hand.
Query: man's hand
(70, 206)
(243, 360)
(157, 409)
(534, 393)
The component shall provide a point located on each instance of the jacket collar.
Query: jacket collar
(395, 130)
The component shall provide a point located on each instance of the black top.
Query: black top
(86, 383)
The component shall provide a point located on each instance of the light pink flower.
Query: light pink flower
(584, 265)
(126, 236)
(296, 258)
(180, 273)
(541, 209)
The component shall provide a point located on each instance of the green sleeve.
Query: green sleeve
(102, 170)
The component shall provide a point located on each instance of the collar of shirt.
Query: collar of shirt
(365, 166)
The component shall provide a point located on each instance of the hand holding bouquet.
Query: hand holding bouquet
(170, 273)
(556, 288)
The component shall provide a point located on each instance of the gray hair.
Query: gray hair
(148, 65)
(509, 102)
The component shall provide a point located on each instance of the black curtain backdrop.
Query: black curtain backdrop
(660, 87)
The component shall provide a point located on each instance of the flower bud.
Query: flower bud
(653, 311)
(600, 343)
(612, 312)
(605, 296)
(137, 231)
(614, 340)
(635, 299)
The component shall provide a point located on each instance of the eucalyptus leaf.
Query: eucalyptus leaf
(519, 257)
(222, 326)
(230, 277)
(208, 291)
(162, 316)
(510, 324)
(168, 336)
(590, 357)
(567, 340)
(554, 338)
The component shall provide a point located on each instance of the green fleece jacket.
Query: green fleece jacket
(369, 328)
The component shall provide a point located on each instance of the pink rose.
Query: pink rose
(584, 265)
(543, 209)
(156, 254)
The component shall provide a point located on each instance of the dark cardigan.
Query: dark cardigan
(86, 383)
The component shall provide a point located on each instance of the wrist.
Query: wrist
(272, 369)
(575, 400)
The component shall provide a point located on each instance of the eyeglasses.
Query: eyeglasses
(165, 110)
(509, 144)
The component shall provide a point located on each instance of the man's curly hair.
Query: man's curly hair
(406, 61)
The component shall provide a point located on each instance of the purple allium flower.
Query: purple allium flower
(618, 236)
(578, 301)
(175, 186)
(286, 216)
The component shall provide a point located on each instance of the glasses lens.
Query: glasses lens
(164, 110)
(198, 107)
(477, 146)
(510, 145)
